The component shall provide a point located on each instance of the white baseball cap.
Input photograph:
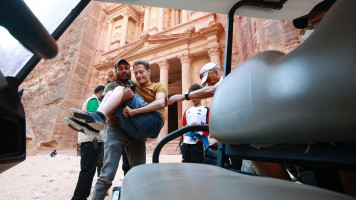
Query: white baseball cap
(205, 71)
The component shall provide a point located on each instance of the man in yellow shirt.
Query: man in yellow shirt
(140, 115)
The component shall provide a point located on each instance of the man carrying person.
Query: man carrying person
(111, 120)
(90, 148)
(141, 120)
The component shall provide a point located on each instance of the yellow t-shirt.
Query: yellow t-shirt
(148, 93)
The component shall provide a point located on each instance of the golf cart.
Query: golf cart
(295, 109)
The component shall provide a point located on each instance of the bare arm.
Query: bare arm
(202, 93)
(127, 94)
(157, 104)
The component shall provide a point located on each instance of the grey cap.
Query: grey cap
(120, 61)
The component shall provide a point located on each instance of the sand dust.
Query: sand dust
(45, 178)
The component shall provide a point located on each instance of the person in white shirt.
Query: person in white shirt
(211, 75)
(194, 143)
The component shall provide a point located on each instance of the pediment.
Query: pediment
(151, 43)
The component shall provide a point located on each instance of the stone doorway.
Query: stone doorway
(173, 117)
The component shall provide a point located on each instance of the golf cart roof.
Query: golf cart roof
(290, 10)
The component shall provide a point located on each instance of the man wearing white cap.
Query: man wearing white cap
(211, 74)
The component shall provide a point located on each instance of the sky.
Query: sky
(39, 7)
(50, 13)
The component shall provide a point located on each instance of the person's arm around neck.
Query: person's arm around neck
(157, 104)
(202, 93)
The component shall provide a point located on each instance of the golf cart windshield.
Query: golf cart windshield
(50, 13)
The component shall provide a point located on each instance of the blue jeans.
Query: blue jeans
(141, 126)
(116, 142)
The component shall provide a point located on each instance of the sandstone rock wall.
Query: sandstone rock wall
(259, 35)
(57, 84)
(255, 35)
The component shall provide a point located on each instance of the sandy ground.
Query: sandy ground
(44, 178)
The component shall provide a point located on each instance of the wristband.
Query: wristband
(186, 95)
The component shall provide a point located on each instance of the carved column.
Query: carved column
(108, 36)
(173, 17)
(185, 16)
(214, 52)
(137, 31)
(177, 17)
(186, 61)
(160, 19)
(146, 22)
(125, 22)
(163, 78)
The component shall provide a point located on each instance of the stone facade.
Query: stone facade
(177, 43)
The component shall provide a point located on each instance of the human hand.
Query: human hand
(127, 94)
(215, 143)
(175, 98)
(111, 74)
(128, 111)
(166, 102)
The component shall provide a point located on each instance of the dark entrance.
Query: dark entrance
(172, 117)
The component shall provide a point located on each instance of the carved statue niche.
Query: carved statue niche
(131, 32)
(102, 77)
(116, 32)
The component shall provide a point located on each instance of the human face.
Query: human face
(196, 102)
(213, 77)
(123, 72)
(100, 94)
(142, 75)
(205, 74)
(313, 21)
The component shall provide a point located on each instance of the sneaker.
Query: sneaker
(90, 118)
(81, 127)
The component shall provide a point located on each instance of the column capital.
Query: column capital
(213, 49)
(127, 12)
(185, 58)
(163, 64)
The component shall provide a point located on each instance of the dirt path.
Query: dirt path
(43, 177)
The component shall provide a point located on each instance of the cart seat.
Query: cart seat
(187, 181)
(306, 96)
